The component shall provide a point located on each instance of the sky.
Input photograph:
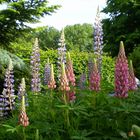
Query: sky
(72, 12)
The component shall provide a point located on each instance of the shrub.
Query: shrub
(135, 57)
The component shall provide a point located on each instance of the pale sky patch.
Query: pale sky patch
(72, 12)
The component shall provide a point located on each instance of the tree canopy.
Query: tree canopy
(123, 24)
(15, 14)
(77, 37)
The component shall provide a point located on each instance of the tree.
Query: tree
(17, 13)
(123, 24)
(79, 37)
(48, 37)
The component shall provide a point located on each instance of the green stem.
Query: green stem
(24, 135)
(66, 111)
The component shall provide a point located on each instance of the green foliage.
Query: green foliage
(80, 60)
(79, 37)
(108, 66)
(48, 37)
(135, 57)
(92, 116)
(123, 24)
(17, 13)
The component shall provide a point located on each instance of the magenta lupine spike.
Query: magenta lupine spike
(121, 74)
(23, 118)
(71, 96)
(35, 63)
(132, 81)
(94, 79)
(69, 71)
(61, 53)
(8, 97)
(47, 72)
(51, 82)
(98, 40)
(64, 84)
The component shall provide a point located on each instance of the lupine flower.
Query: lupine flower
(8, 98)
(132, 80)
(94, 79)
(90, 66)
(71, 96)
(61, 53)
(47, 73)
(64, 84)
(82, 81)
(35, 63)
(23, 118)
(98, 40)
(22, 91)
(121, 74)
(51, 82)
(69, 70)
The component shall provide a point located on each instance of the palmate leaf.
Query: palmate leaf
(10, 128)
(17, 62)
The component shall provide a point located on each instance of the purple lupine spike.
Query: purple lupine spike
(35, 63)
(61, 53)
(8, 97)
(94, 79)
(132, 80)
(47, 72)
(121, 74)
(82, 81)
(98, 40)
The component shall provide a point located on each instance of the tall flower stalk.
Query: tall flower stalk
(8, 97)
(35, 63)
(121, 74)
(23, 118)
(22, 90)
(82, 81)
(98, 40)
(47, 72)
(70, 71)
(90, 66)
(51, 82)
(61, 53)
(64, 87)
(64, 83)
(71, 78)
(132, 80)
(94, 79)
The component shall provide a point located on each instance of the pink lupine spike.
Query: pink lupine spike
(64, 84)
(69, 70)
(23, 118)
(94, 79)
(121, 74)
(52, 83)
(132, 81)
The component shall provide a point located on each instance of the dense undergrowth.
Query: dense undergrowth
(91, 116)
